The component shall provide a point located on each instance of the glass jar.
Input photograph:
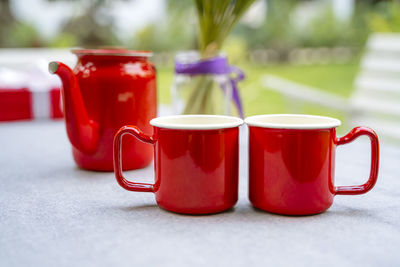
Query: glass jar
(200, 93)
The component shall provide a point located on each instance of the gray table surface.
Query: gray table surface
(54, 214)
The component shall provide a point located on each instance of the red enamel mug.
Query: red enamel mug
(292, 162)
(196, 162)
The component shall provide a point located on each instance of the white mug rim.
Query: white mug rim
(320, 122)
(183, 122)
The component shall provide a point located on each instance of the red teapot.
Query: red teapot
(107, 89)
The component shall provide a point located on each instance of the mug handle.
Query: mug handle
(128, 185)
(373, 175)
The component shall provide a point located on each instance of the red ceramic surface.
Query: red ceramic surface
(104, 92)
(196, 170)
(291, 171)
(55, 103)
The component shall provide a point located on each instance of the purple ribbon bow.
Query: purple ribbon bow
(217, 65)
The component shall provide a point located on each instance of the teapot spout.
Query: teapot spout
(82, 131)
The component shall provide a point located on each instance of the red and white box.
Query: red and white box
(27, 95)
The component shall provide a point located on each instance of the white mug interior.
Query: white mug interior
(196, 122)
(292, 121)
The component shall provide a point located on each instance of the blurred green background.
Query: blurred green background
(269, 38)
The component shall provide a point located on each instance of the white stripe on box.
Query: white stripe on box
(40, 104)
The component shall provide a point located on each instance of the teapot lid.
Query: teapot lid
(112, 52)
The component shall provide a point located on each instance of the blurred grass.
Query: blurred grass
(333, 78)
